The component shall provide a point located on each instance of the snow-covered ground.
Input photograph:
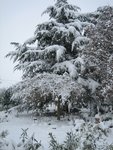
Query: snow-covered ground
(41, 127)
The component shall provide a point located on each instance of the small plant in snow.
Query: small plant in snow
(54, 145)
(24, 135)
(3, 143)
(3, 134)
(87, 137)
(71, 142)
(26, 144)
(111, 147)
(32, 144)
(29, 143)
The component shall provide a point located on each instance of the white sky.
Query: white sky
(18, 19)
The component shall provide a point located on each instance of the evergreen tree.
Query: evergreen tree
(57, 58)
(58, 44)
(73, 53)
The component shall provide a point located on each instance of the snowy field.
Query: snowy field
(42, 126)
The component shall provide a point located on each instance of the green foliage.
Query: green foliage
(62, 11)
(24, 135)
(54, 145)
(26, 143)
(87, 137)
(5, 99)
(29, 143)
(32, 144)
(3, 134)
(110, 147)
(99, 54)
(5, 96)
(70, 142)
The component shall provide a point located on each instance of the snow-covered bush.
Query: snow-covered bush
(70, 143)
(26, 143)
(31, 144)
(86, 137)
(5, 99)
(41, 90)
(54, 145)
(3, 134)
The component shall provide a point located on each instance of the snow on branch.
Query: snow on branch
(77, 24)
(51, 10)
(15, 55)
(59, 50)
(90, 83)
(30, 40)
(66, 66)
(47, 83)
(80, 42)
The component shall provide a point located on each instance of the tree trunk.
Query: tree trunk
(58, 110)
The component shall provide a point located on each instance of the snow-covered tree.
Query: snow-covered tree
(99, 54)
(57, 58)
(73, 53)
(59, 42)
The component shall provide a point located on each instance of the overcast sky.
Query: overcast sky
(18, 19)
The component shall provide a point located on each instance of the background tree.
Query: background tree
(99, 54)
